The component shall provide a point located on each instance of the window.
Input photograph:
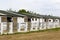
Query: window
(56, 20)
(35, 19)
(49, 20)
(29, 20)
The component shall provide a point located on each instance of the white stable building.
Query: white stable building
(12, 22)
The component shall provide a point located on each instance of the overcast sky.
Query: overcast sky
(46, 7)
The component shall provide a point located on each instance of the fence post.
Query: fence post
(31, 27)
(18, 27)
(41, 25)
(34, 26)
(54, 25)
(26, 27)
(44, 25)
(10, 27)
(1, 28)
(37, 26)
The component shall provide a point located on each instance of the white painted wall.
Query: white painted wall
(42, 20)
(57, 20)
(0, 19)
(50, 19)
(34, 20)
(20, 20)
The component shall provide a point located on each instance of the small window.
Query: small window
(49, 20)
(29, 20)
(56, 20)
(35, 19)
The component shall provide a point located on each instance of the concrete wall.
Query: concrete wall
(42, 20)
(20, 19)
(36, 24)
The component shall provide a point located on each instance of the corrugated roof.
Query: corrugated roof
(10, 14)
(16, 14)
(40, 16)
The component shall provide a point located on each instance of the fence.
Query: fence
(23, 27)
(4, 28)
(34, 26)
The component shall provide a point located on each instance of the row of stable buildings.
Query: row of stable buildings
(11, 22)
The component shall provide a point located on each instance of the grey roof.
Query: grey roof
(40, 16)
(11, 14)
(16, 14)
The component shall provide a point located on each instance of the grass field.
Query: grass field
(43, 35)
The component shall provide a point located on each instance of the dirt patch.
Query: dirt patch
(48, 35)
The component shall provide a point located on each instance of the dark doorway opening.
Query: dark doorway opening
(29, 19)
(9, 19)
(29, 23)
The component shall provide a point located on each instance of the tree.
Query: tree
(22, 11)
